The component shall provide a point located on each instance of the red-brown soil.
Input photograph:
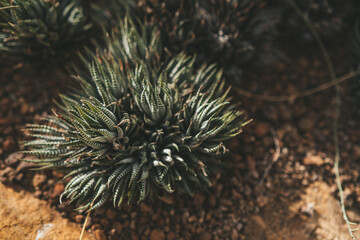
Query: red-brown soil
(296, 199)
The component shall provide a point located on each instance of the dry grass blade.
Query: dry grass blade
(84, 226)
(292, 97)
(337, 111)
(7, 7)
(275, 157)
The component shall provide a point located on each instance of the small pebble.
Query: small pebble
(99, 234)
(313, 160)
(157, 234)
(9, 144)
(234, 234)
(79, 218)
(262, 129)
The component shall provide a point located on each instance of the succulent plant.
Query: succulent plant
(106, 14)
(41, 28)
(229, 32)
(139, 127)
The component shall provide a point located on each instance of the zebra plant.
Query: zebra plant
(239, 33)
(106, 14)
(139, 127)
(40, 28)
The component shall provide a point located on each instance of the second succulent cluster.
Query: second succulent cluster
(234, 33)
(38, 28)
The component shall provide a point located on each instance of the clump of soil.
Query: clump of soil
(24, 217)
(316, 215)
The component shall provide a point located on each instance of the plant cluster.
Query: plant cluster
(107, 13)
(41, 28)
(140, 126)
(230, 32)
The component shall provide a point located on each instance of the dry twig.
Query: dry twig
(292, 97)
(337, 112)
(8, 7)
(86, 220)
(275, 157)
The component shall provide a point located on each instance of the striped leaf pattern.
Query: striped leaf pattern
(139, 127)
(40, 28)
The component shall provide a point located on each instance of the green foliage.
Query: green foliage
(138, 127)
(41, 28)
(106, 14)
(229, 32)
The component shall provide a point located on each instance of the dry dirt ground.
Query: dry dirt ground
(25, 217)
(317, 215)
(296, 199)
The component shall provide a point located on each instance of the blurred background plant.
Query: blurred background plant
(42, 30)
(235, 34)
